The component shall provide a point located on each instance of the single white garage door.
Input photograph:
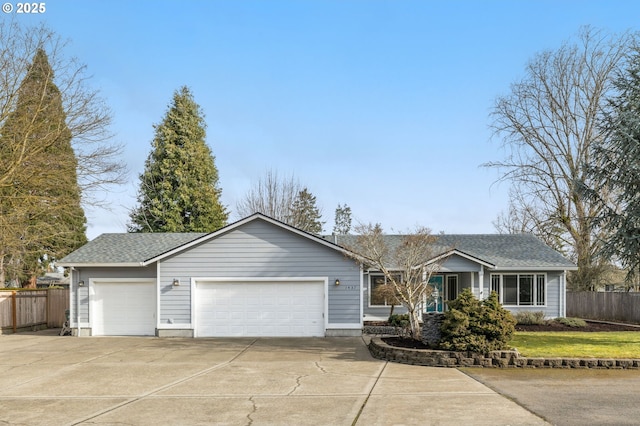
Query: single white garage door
(123, 308)
(260, 309)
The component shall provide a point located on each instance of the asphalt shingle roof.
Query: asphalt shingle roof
(501, 250)
(127, 248)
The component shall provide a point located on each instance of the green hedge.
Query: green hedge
(476, 326)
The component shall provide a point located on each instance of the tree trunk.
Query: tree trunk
(414, 322)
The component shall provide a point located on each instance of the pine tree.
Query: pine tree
(42, 218)
(616, 163)
(342, 224)
(305, 214)
(179, 189)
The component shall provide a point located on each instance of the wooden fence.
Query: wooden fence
(32, 308)
(610, 306)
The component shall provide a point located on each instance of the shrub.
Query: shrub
(572, 322)
(475, 326)
(399, 320)
(530, 318)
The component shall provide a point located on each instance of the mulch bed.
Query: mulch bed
(550, 326)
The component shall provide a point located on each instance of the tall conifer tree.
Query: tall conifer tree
(616, 164)
(305, 213)
(42, 218)
(179, 189)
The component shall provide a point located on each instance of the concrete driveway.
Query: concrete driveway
(47, 379)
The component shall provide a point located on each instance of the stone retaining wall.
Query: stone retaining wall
(495, 359)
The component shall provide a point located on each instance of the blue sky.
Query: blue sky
(382, 105)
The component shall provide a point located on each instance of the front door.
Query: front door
(434, 300)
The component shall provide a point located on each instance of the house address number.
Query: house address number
(350, 287)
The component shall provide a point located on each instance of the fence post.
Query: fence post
(14, 314)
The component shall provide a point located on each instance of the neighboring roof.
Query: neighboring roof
(141, 249)
(500, 251)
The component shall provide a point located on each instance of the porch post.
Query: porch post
(481, 283)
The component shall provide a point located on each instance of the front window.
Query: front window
(382, 291)
(520, 289)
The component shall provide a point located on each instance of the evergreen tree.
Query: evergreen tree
(342, 224)
(42, 218)
(616, 163)
(179, 189)
(305, 214)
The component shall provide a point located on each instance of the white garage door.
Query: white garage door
(260, 309)
(123, 308)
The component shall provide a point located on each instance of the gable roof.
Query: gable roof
(142, 249)
(496, 251)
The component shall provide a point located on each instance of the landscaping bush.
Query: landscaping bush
(399, 320)
(572, 322)
(530, 318)
(475, 326)
(402, 324)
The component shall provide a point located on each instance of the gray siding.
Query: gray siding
(260, 249)
(86, 274)
(457, 263)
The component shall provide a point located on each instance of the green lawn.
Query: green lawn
(575, 344)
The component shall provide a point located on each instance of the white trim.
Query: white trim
(461, 254)
(158, 302)
(196, 280)
(498, 270)
(361, 294)
(239, 223)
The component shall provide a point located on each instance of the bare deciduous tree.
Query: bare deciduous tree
(272, 195)
(547, 124)
(407, 266)
(86, 115)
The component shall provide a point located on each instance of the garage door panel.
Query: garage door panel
(260, 308)
(123, 308)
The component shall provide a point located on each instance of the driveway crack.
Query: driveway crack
(319, 367)
(298, 384)
(253, 411)
(165, 387)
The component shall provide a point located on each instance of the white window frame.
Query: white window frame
(373, 275)
(535, 297)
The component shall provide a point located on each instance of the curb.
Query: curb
(495, 359)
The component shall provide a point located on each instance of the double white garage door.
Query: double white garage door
(238, 308)
(259, 308)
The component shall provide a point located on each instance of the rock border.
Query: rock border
(496, 359)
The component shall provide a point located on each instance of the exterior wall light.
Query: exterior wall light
(337, 282)
(176, 282)
(81, 283)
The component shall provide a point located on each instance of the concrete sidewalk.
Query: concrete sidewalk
(47, 379)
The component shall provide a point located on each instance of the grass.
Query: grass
(611, 344)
